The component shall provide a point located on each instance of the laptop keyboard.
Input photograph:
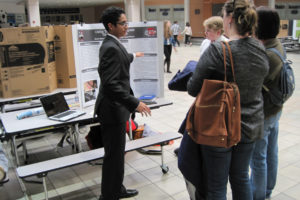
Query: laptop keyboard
(69, 112)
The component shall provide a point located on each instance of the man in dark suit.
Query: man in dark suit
(115, 102)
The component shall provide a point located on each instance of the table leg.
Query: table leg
(15, 150)
(45, 187)
(77, 138)
(71, 136)
(25, 151)
(23, 188)
(164, 167)
(130, 128)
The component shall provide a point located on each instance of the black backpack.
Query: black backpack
(285, 89)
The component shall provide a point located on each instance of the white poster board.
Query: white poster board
(146, 73)
(87, 39)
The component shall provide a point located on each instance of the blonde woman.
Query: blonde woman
(168, 42)
(213, 32)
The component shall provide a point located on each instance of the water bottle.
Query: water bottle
(30, 113)
(38, 111)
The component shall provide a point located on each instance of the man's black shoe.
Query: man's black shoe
(128, 193)
(125, 193)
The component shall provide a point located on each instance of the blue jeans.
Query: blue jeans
(264, 162)
(3, 159)
(221, 163)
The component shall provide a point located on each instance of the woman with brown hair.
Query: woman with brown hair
(188, 34)
(250, 68)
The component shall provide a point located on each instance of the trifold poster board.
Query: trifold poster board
(146, 73)
(87, 40)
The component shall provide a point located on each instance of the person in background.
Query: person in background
(115, 102)
(264, 161)
(3, 164)
(250, 68)
(168, 43)
(188, 34)
(213, 32)
(175, 28)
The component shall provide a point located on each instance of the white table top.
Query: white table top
(14, 126)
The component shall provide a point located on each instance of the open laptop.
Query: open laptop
(56, 108)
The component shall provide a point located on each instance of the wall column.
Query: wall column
(272, 4)
(143, 15)
(33, 9)
(133, 10)
(186, 11)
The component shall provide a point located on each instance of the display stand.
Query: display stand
(146, 73)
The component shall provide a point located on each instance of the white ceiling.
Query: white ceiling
(66, 3)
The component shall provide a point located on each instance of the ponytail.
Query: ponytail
(244, 15)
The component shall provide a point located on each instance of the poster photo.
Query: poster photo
(90, 90)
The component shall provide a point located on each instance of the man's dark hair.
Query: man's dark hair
(268, 23)
(111, 15)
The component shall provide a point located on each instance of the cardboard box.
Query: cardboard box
(25, 80)
(64, 53)
(27, 61)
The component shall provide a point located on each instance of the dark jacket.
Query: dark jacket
(272, 79)
(250, 66)
(179, 81)
(115, 99)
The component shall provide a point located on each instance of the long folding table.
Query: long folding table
(27, 128)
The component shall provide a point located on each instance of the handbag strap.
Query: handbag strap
(224, 60)
(231, 60)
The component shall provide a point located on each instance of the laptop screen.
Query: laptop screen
(54, 104)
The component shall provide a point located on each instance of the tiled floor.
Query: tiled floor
(143, 172)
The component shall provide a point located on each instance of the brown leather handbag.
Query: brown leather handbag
(214, 118)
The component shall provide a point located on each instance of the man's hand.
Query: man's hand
(139, 54)
(143, 109)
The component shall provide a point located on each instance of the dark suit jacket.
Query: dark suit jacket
(115, 99)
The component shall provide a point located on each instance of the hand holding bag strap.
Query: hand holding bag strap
(231, 60)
